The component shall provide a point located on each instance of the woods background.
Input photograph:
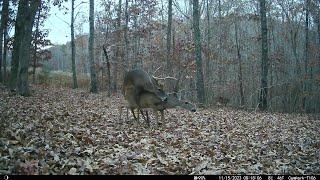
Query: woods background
(158, 36)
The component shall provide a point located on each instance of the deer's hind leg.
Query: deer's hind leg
(134, 115)
(146, 118)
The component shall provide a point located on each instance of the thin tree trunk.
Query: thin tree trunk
(318, 30)
(5, 50)
(197, 42)
(18, 35)
(73, 49)
(264, 57)
(169, 30)
(208, 40)
(126, 14)
(306, 58)
(208, 54)
(136, 39)
(118, 53)
(220, 41)
(108, 70)
(239, 64)
(3, 29)
(35, 57)
(93, 75)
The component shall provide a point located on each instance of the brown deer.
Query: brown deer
(150, 100)
(137, 82)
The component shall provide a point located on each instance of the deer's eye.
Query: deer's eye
(186, 102)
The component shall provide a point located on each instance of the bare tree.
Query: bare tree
(197, 42)
(118, 48)
(264, 57)
(126, 29)
(306, 57)
(93, 75)
(3, 33)
(208, 51)
(169, 30)
(73, 49)
(240, 78)
(35, 46)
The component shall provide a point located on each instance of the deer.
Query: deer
(137, 82)
(150, 100)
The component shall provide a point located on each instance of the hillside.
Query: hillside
(64, 131)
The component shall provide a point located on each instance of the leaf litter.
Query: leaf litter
(64, 131)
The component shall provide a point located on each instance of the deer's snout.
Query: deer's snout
(193, 110)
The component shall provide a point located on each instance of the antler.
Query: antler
(165, 78)
(157, 69)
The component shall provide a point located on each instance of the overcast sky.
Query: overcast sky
(59, 30)
(58, 23)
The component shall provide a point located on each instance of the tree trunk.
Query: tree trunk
(169, 30)
(236, 27)
(3, 30)
(306, 58)
(198, 58)
(35, 57)
(108, 70)
(208, 54)
(318, 30)
(18, 35)
(5, 50)
(29, 13)
(73, 49)
(126, 14)
(135, 39)
(93, 75)
(219, 65)
(264, 58)
(118, 53)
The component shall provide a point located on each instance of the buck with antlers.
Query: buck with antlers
(142, 91)
(137, 82)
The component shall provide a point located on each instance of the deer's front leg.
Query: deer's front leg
(162, 115)
(134, 116)
(120, 112)
(155, 111)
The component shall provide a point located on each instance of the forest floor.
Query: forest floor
(65, 131)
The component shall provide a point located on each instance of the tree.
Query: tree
(35, 45)
(208, 51)
(93, 75)
(21, 45)
(126, 29)
(16, 46)
(236, 29)
(264, 57)
(73, 49)
(198, 58)
(40, 38)
(306, 57)
(169, 37)
(3, 34)
(118, 48)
